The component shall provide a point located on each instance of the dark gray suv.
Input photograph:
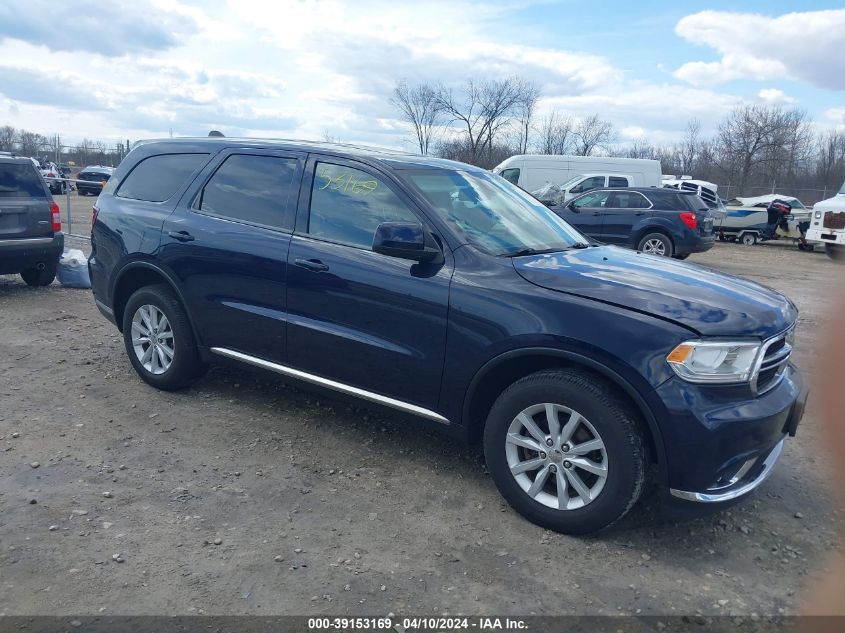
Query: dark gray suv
(31, 239)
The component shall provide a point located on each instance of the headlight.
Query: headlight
(818, 215)
(714, 361)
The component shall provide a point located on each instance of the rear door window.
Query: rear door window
(618, 181)
(157, 178)
(628, 200)
(19, 180)
(348, 204)
(250, 188)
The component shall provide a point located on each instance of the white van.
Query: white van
(577, 174)
(828, 225)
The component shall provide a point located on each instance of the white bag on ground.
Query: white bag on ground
(73, 269)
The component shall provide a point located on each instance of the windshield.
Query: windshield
(571, 181)
(492, 214)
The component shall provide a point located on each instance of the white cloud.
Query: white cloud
(774, 96)
(807, 46)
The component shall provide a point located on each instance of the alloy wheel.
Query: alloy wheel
(152, 339)
(655, 247)
(556, 456)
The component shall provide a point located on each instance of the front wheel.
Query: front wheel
(835, 252)
(656, 244)
(565, 451)
(159, 339)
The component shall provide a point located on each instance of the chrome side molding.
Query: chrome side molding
(332, 384)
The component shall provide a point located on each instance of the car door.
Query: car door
(227, 242)
(360, 318)
(624, 209)
(586, 213)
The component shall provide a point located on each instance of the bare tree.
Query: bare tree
(525, 112)
(641, 148)
(592, 133)
(689, 149)
(830, 163)
(8, 136)
(30, 143)
(555, 134)
(421, 108)
(756, 140)
(481, 110)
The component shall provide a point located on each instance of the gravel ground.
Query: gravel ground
(244, 495)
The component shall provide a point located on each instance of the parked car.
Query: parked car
(579, 173)
(552, 195)
(90, 180)
(31, 239)
(442, 291)
(829, 225)
(652, 220)
(51, 173)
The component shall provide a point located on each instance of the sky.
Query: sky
(316, 69)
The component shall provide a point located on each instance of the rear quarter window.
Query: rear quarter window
(20, 180)
(157, 178)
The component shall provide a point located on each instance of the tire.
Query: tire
(656, 244)
(682, 256)
(81, 192)
(835, 252)
(43, 277)
(748, 239)
(149, 304)
(601, 415)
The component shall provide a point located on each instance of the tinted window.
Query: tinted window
(348, 204)
(589, 183)
(627, 200)
(250, 189)
(20, 180)
(597, 199)
(668, 201)
(511, 175)
(618, 181)
(157, 178)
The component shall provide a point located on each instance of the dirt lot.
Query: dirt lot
(243, 495)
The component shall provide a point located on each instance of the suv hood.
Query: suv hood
(709, 303)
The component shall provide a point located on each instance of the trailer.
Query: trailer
(746, 220)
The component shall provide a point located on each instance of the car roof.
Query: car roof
(394, 159)
(97, 168)
(657, 190)
(9, 158)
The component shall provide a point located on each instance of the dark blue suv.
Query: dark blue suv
(445, 292)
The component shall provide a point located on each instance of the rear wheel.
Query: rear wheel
(656, 244)
(159, 340)
(565, 451)
(39, 277)
(748, 239)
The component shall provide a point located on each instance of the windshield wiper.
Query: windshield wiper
(543, 251)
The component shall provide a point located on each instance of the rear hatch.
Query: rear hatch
(24, 202)
(93, 176)
(702, 213)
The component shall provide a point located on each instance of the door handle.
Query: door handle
(182, 236)
(314, 265)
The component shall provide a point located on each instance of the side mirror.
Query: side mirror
(406, 240)
(571, 206)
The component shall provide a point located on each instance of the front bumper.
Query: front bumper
(721, 443)
(828, 236)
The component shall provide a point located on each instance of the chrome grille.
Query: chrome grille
(772, 363)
